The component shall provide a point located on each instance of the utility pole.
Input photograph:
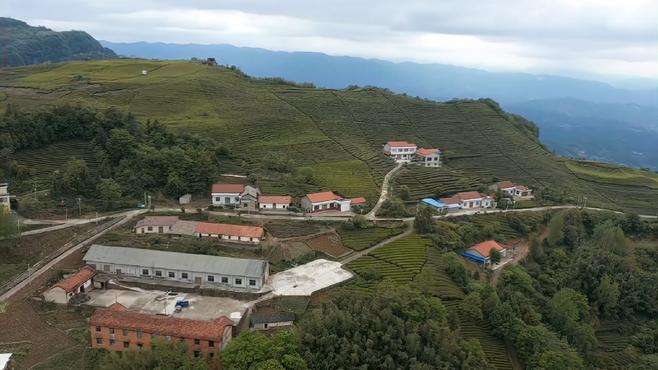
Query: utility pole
(79, 207)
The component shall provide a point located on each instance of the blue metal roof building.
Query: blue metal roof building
(433, 203)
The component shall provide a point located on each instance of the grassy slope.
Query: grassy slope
(337, 134)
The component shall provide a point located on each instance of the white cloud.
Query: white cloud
(585, 36)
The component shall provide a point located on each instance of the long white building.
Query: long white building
(164, 267)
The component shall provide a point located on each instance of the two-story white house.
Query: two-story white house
(237, 195)
(5, 205)
(400, 151)
(428, 157)
(513, 190)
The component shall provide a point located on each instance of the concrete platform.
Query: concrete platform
(308, 278)
(161, 303)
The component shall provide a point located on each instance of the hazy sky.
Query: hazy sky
(574, 37)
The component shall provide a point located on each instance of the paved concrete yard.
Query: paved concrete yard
(158, 302)
(308, 278)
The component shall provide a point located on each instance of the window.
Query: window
(112, 341)
(140, 334)
(224, 280)
(211, 278)
(172, 274)
(150, 228)
(111, 330)
(126, 344)
(99, 340)
(183, 275)
(211, 343)
(145, 272)
(197, 341)
(118, 271)
(197, 353)
(139, 346)
(158, 273)
(211, 354)
(218, 199)
(106, 267)
(238, 281)
(98, 328)
(125, 332)
(252, 282)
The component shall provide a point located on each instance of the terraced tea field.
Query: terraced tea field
(424, 182)
(44, 161)
(613, 340)
(398, 261)
(335, 134)
(494, 348)
(364, 238)
(434, 279)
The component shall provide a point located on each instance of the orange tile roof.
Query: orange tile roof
(427, 151)
(278, 199)
(72, 282)
(467, 195)
(357, 201)
(161, 325)
(450, 200)
(484, 248)
(505, 185)
(227, 188)
(522, 187)
(228, 229)
(324, 196)
(157, 221)
(399, 144)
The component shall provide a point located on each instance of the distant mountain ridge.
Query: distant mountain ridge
(22, 44)
(434, 81)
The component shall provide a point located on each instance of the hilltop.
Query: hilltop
(22, 44)
(335, 136)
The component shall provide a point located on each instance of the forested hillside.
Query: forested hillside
(287, 135)
(22, 44)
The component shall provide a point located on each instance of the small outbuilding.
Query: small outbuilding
(155, 224)
(271, 320)
(78, 283)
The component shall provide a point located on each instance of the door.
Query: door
(197, 280)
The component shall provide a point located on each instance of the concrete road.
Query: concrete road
(128, 215)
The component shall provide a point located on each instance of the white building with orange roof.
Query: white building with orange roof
(470, 200)
(400, 151)
(325, 201)
(513, 190)
(274, 202)
(428, 157)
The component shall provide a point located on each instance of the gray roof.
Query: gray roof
(184, 227)
(176, 261)
(272, 317)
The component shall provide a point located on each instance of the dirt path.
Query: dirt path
(522, 250)
(45, 268)
(386, 185)
(356, 255)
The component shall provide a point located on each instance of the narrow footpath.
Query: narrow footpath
(383, 196)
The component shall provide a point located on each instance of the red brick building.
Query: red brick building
(117, 329)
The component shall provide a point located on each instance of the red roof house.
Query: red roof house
(244, 233)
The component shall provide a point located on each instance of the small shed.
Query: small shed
(65, 289)
(271, 320)
(185, 199)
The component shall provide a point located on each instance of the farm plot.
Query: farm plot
(614, 339)
(294, 228)
(329, 244)
(398, 261)
(365, 238)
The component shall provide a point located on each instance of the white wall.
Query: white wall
(234, 198)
